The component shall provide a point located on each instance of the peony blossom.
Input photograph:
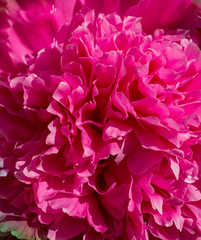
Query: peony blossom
(100, 121)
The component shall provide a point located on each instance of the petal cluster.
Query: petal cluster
(100, 122)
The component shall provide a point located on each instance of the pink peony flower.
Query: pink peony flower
(100, 121)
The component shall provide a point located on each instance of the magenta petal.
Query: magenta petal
(73, 206)
(44, 191)
(100, 119)
(91, 235)
(152, 107)
(66, 227)
(116, 208)
(141, 160)
(116, 129)
(165, 14)
(95, 217)
(157, 202)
